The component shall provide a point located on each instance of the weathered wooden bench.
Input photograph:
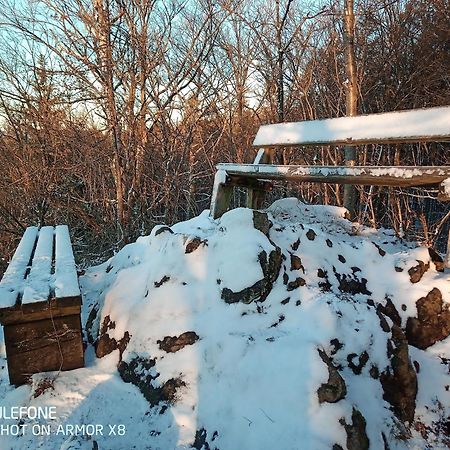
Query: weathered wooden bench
(40, 305)
(421, 125)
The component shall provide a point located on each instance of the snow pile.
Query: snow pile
(283, 329)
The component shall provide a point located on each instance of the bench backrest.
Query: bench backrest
(419, 125)
(43, 267)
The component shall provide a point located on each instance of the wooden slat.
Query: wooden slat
(13, 279)
(37, 283)
(418, 125)
(31, 312)
(66, 280)
(401, 176)
(42, 346)
(221, 196)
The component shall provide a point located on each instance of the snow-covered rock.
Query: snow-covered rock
(290, 328)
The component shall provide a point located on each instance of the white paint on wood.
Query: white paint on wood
(12, 281)
(428, 124)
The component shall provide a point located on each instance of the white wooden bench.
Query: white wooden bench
(422, 125)
(40, 305)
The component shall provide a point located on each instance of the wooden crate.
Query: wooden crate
(40, 305)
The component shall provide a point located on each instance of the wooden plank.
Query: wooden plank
(37, 283)
(31, 312)
(13, 279)
(418, 125)
(222, 200)
(401, 176)
(66, 279)
(221, 196)
(255, 197)
(42, 346)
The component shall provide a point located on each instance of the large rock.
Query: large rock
(261, 222)
(437, 259)
(201, 440)
(334, 389)
(194, 244)
(90, 324)
(140, 372)
(356, 432)
(259, 291)
(389, 309)
(432, 323)
(416, 273)
(351, 284)
(357, 367)
(172, 344)
(106, 344)
(399, 381)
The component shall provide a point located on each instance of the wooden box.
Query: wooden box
(40, 305)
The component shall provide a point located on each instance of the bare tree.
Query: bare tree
(133, 60)
(114, 114)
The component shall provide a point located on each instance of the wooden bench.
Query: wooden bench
(421, 125)
(40, 305)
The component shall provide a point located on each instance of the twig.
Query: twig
(273, 421)
(248, 420)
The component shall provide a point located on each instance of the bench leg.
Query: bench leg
(264, 156)
(221, 196)
(255, 198)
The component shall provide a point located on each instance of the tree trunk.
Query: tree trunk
(105, 56)
(351, 84)
(280, 75)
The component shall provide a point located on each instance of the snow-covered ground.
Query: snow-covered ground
(277, 330)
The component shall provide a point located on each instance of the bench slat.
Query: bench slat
(401, 176)
(37, 284)
(419, 125)
(13, 278)
(66, 281)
